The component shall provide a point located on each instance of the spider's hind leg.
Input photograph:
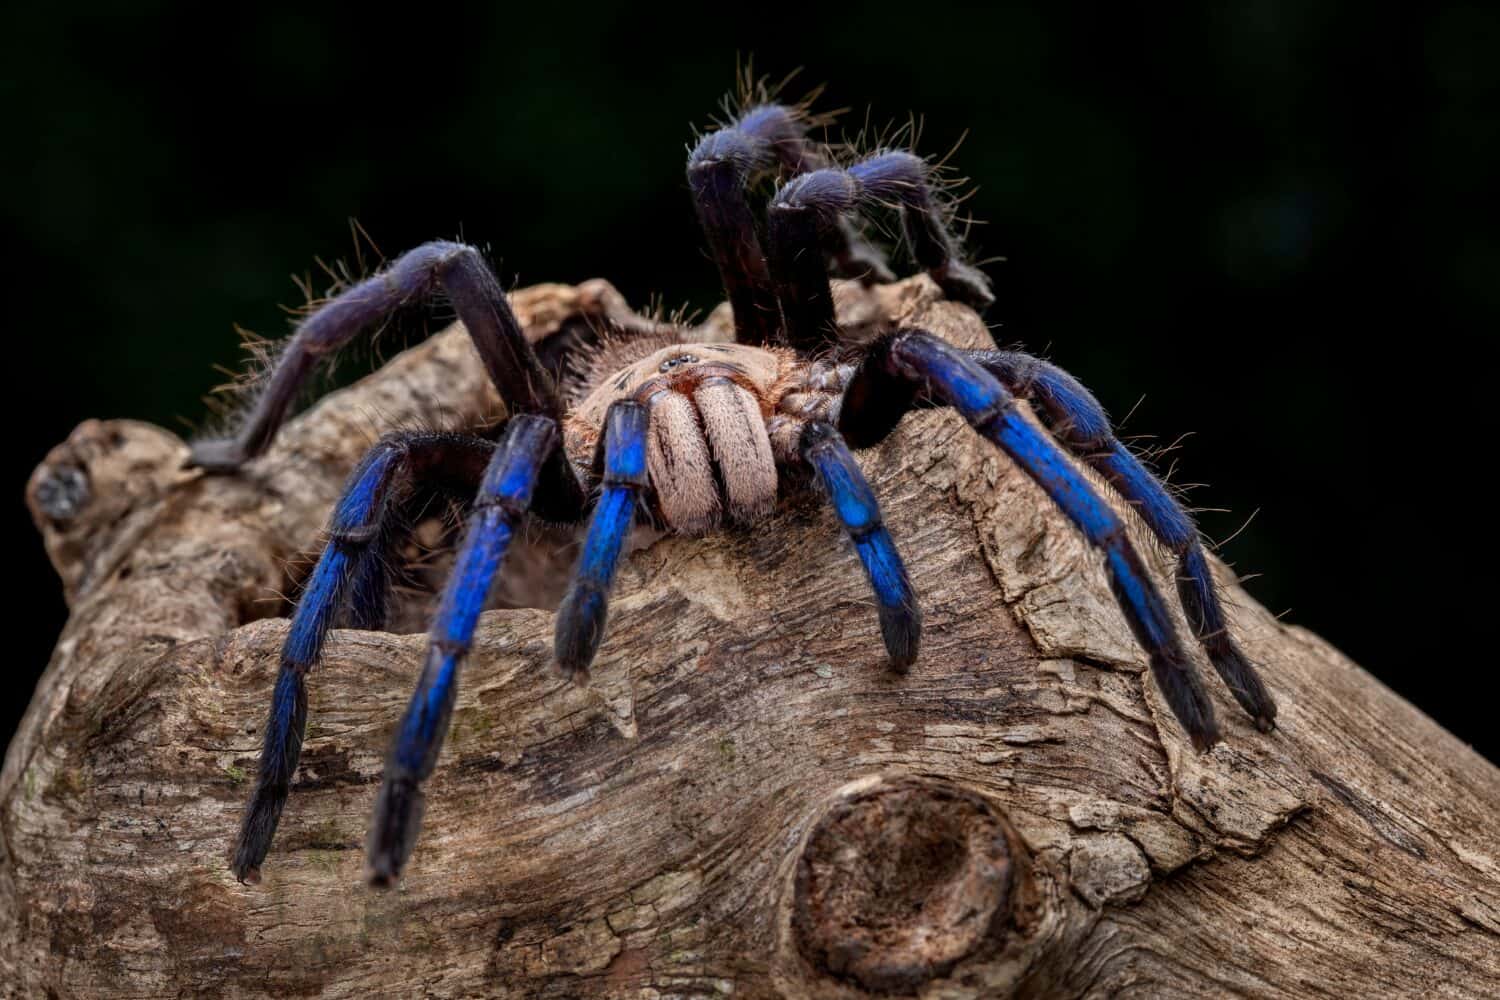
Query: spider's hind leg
(1078, 420)
(889, 382)
(479, 302)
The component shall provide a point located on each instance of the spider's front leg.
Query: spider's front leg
(888, 383)
(721, 169)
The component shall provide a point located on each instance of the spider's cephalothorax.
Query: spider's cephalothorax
(650, 425)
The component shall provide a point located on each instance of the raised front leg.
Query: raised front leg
(809, 206)
(721, 168)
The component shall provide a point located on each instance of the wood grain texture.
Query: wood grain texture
(644, 837)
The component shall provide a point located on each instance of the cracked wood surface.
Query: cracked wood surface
(666, 831)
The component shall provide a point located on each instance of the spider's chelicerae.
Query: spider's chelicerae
(689, 436)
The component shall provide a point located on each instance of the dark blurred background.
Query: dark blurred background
(1258, 221)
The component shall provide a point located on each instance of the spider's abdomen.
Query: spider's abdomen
(717, 427)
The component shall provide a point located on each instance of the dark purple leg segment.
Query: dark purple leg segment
(720, 170)
(477, 298)
(810, 205)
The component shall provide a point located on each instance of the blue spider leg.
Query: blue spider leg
(478, 300)
(721, 168)
(809, 205)
(350, 572)
(859, 512)
(502, 502)
(917, 357)
(1081, 423)
(581, 616)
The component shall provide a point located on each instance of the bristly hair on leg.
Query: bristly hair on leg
(229, 402)
(751, 91)
(949, 190)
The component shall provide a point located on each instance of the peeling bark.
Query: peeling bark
(745, 801)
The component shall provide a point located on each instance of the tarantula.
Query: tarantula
(689, 436)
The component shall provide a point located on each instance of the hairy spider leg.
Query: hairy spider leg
(1077, 419)
(720, 170)
(501, 504)
(921, 360)
(808, 205)
(365, 526)
(585, 607)
(859, 512)
(479, 302)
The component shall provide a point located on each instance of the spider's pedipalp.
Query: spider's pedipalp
(505, 495)
(682, 467)
(351, 569)
(1080, 422)
(584, 610)
(859, 512)
(921, 360)
(737, 434)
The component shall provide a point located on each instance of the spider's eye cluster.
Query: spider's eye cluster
(680, 359)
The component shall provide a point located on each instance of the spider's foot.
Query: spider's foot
(216, 456)
(964, 283)
(580, 626)
(901, 627)
(1186, 697)
(393, 833)
(256, 831)
(1243, 682)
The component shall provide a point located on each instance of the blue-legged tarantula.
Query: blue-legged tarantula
(690, 435)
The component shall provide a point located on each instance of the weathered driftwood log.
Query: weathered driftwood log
(746, 801)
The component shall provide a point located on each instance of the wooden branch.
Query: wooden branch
(745, 802)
